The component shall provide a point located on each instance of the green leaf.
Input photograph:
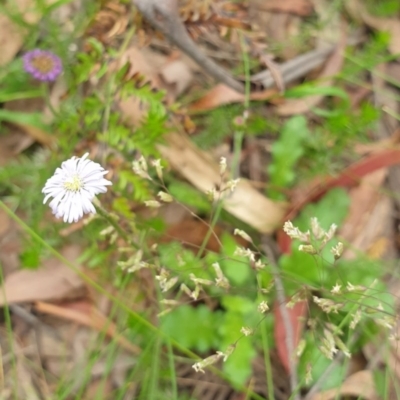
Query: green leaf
(216, 125)
(312, 90)
(193, 327)
(301, 269)
(319, 363)
(238, 364)
(13, 95)
(286, 151)
(34, 119)
(189, 196)
(30, 257)
(332, 209)
(235, 268)
(238, 304)
(183, 262)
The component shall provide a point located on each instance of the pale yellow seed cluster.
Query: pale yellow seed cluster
(312, 242)
(199, 366)
(73, 184)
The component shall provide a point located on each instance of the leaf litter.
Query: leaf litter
(51, 288)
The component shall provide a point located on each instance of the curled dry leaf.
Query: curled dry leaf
(368, 226)
(349, 177)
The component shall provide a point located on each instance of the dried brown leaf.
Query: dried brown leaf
(393, 70)
(37, 134)
(360, 227)
(86, 314)
(245, 203)
(299, 7)
(177, 76)
(13, 143)
(361, 384)
(222, 94)
(53, 281)
(173, 76)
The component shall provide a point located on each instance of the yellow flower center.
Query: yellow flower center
(73, 184)
(43, 63)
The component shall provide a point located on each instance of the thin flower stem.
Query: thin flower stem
(239, 133)
(210, 230)
(289, 339)
(108, 217)
(47, 100)
(267, 362)
(237, 148)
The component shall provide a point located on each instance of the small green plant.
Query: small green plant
(286, 152)
(348, 300)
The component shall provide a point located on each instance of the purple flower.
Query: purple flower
(43, 65)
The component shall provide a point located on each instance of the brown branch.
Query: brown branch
(163, 15)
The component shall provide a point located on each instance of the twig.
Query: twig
(302, 64)
(27, 317)
(289, 339)
(295, 68)
(163, 15)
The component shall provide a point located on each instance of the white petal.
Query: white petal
(72, 204)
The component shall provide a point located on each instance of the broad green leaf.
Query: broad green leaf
(235, 268)
(332, 209)
(319, 363)
(286, 151)
(34, 119)
(238, 364)
(194, 327)
(238, 304)
(189, 196)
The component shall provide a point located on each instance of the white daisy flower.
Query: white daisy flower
(73, 188)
